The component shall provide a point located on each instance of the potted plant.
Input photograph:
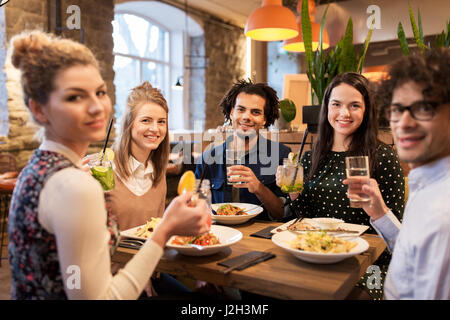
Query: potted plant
(442, 40)
(288, 112)
(323, 66)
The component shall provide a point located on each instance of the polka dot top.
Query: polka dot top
(325, 195)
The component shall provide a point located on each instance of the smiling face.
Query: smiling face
(148, 130)
(346, 109)
(248, 112)
(420, 142)
(78, 108)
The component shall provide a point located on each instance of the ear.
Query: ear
(37, 109)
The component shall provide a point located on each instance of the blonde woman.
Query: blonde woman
(58, 223)
(141, 157)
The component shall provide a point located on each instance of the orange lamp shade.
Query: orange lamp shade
(296, 44)
(271, 22)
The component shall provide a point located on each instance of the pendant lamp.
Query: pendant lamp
(296, 44)
(271, 22)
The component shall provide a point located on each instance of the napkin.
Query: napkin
(264, 233)
(246, 260)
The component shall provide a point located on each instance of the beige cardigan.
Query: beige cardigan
(132, 210)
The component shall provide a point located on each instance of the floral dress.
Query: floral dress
(324, 195)
(32, 250)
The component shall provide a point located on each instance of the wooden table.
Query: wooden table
(283, 277)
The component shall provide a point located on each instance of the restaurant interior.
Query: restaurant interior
(193, 51)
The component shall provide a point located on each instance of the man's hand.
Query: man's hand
(246, 177)
(375, 208)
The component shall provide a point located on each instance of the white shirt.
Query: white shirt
(141, 178)
(420, 265)
(72, 207)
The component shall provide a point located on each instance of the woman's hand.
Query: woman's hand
(375, 208)
(183, 218)
(246, 178)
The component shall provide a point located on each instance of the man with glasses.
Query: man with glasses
(417, 96)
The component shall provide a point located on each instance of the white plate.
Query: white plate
(227, 237)
(346, 226)
(283, 239)
(252, 209)
(130, 233)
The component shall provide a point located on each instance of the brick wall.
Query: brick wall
(96, 17)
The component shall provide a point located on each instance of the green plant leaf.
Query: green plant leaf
(307, 33)
(402, 39)
(288, 110)
(415, 30)
(419, 20)
(322, 23)
(348, 49)
(364, 51)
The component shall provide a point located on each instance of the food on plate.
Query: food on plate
(206, 239)
(322, 242)
(230, 210)
(301, 226)
(147, 230)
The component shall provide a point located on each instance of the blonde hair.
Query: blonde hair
(41, 56)
(140, 95)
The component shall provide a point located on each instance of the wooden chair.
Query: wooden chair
(8, 171)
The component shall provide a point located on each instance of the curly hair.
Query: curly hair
(140, 95)
(41, 56)
(271, 108)
(431, 69)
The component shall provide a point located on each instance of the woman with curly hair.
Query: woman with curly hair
(60, 235)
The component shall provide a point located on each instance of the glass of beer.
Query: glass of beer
(357, 167)
(231, 159)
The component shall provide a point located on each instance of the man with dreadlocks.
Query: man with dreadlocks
(250, 108)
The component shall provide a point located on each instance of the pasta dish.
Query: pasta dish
(322, 242)
(230, 210)
(206, 239)
(147, 230)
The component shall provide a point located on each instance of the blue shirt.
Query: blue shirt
(420, 265)
(264, 159)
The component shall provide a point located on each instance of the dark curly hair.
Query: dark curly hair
(431, 69)
(271, 108)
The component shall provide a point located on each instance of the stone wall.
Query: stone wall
(96, 17)
(226, 49)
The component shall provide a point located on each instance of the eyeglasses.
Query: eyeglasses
(419, 110)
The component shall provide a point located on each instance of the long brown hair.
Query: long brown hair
(140, 95)
(364, 139)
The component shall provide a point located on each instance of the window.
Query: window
(141, 52)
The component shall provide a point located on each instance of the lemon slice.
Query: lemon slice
(100, 169)
(292, 157)
(109, 154)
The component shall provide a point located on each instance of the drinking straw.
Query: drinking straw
(107, 138)
(305, 134)
(202, 177)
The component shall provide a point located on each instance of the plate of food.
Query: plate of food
(218, 238)
(142, 232)
(319, 247)
(235, 213)
(336, 227)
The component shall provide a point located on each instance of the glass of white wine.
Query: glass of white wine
(357, 167)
